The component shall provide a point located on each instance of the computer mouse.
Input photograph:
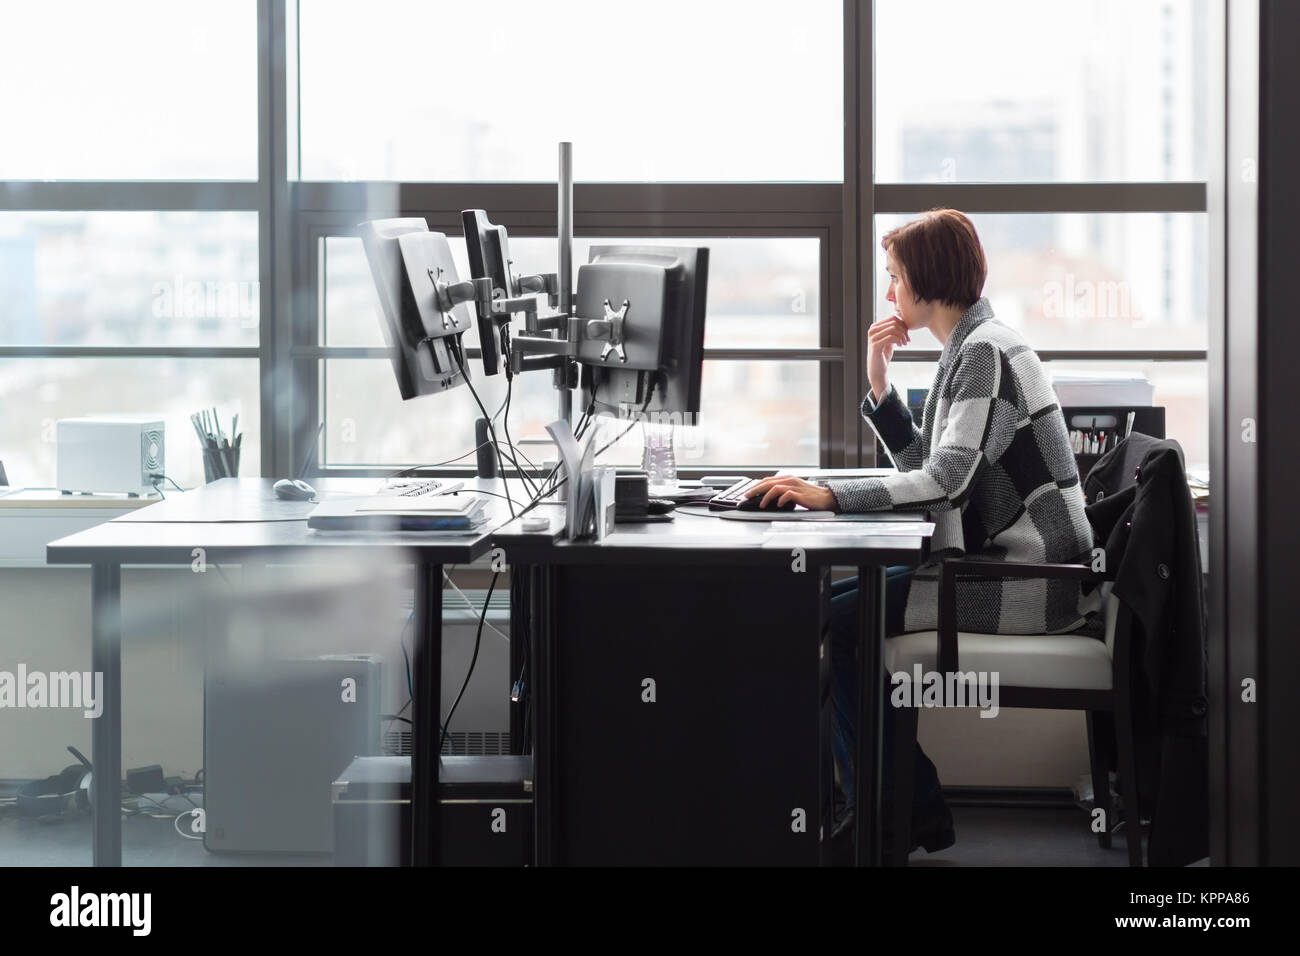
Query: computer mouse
(294, 489)
(752, 503)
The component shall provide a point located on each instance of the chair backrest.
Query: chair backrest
(1116, 471)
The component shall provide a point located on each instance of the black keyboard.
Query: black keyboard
(730, 498)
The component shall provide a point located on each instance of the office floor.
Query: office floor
(1023, 836)
(986, 836)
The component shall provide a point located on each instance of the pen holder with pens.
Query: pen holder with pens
(220, 451)
(220, 463)
(1095, 429)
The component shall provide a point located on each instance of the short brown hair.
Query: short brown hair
(941, 256)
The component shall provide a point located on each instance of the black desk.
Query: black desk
(239, 519)
(579, 586)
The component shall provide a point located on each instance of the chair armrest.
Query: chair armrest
(954, 568)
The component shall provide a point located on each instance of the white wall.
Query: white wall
(171, 615)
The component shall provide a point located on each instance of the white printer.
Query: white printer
(118, 455)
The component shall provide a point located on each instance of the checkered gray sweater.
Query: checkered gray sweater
(992, 465)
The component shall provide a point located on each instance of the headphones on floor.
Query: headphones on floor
(64, 793)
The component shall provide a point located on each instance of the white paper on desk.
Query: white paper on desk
(797, 516)
(577, 470)
(586, 491)
(562, 434)
(909, 529)
(603, 493)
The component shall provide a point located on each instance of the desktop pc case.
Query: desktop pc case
(276, 735)
(485, 803)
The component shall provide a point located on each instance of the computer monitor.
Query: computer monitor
(488, 247)
(645, 350)
(412, 268)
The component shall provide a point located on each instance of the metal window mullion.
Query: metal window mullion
(391, 198)
(1079, 355)
(756, 223)
(830, 262)
(324, 352)
(864, 212)
(841, 419)
(1218, 599)
(903, 198)
(128, 196)
(274, 241)
(134, 351)
(828, 355)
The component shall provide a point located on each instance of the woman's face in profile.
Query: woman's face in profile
(899, 295)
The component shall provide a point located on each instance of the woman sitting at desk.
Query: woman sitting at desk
(991, 463)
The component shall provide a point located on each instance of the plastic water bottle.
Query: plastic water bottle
(660, 461)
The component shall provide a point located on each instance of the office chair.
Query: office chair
(1049, 671)
(1056, 671)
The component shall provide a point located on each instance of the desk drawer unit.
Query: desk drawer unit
(691, 724)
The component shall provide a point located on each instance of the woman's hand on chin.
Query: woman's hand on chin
(783, 489)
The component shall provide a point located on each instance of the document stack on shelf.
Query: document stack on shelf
(1102, 388)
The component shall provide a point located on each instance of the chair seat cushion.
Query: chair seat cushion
(1068, 661)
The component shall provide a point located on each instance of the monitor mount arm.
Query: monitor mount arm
(535, 285)
(610, 328)
(448, 295)
(531, 351)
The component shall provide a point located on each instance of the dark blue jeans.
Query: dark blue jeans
(844, 680)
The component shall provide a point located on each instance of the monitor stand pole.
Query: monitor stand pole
(564, 238)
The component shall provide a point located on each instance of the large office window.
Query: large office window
(716, 124)
(674, 91)
(129, 227)
(147, 90)
(1024, 91)
(167, 246)
(1075, 134)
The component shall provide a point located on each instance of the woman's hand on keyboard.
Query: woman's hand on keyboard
(782, 489)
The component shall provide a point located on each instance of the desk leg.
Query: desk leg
(106, 731)
(866, 763)
(426, 666)
(541, 665)
(520, 624)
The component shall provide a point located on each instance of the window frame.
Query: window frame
(848, 241)
(293, 215)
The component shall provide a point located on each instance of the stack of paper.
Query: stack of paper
(466, 507)
(456, 513)
(580, 510)
(1102, 388)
